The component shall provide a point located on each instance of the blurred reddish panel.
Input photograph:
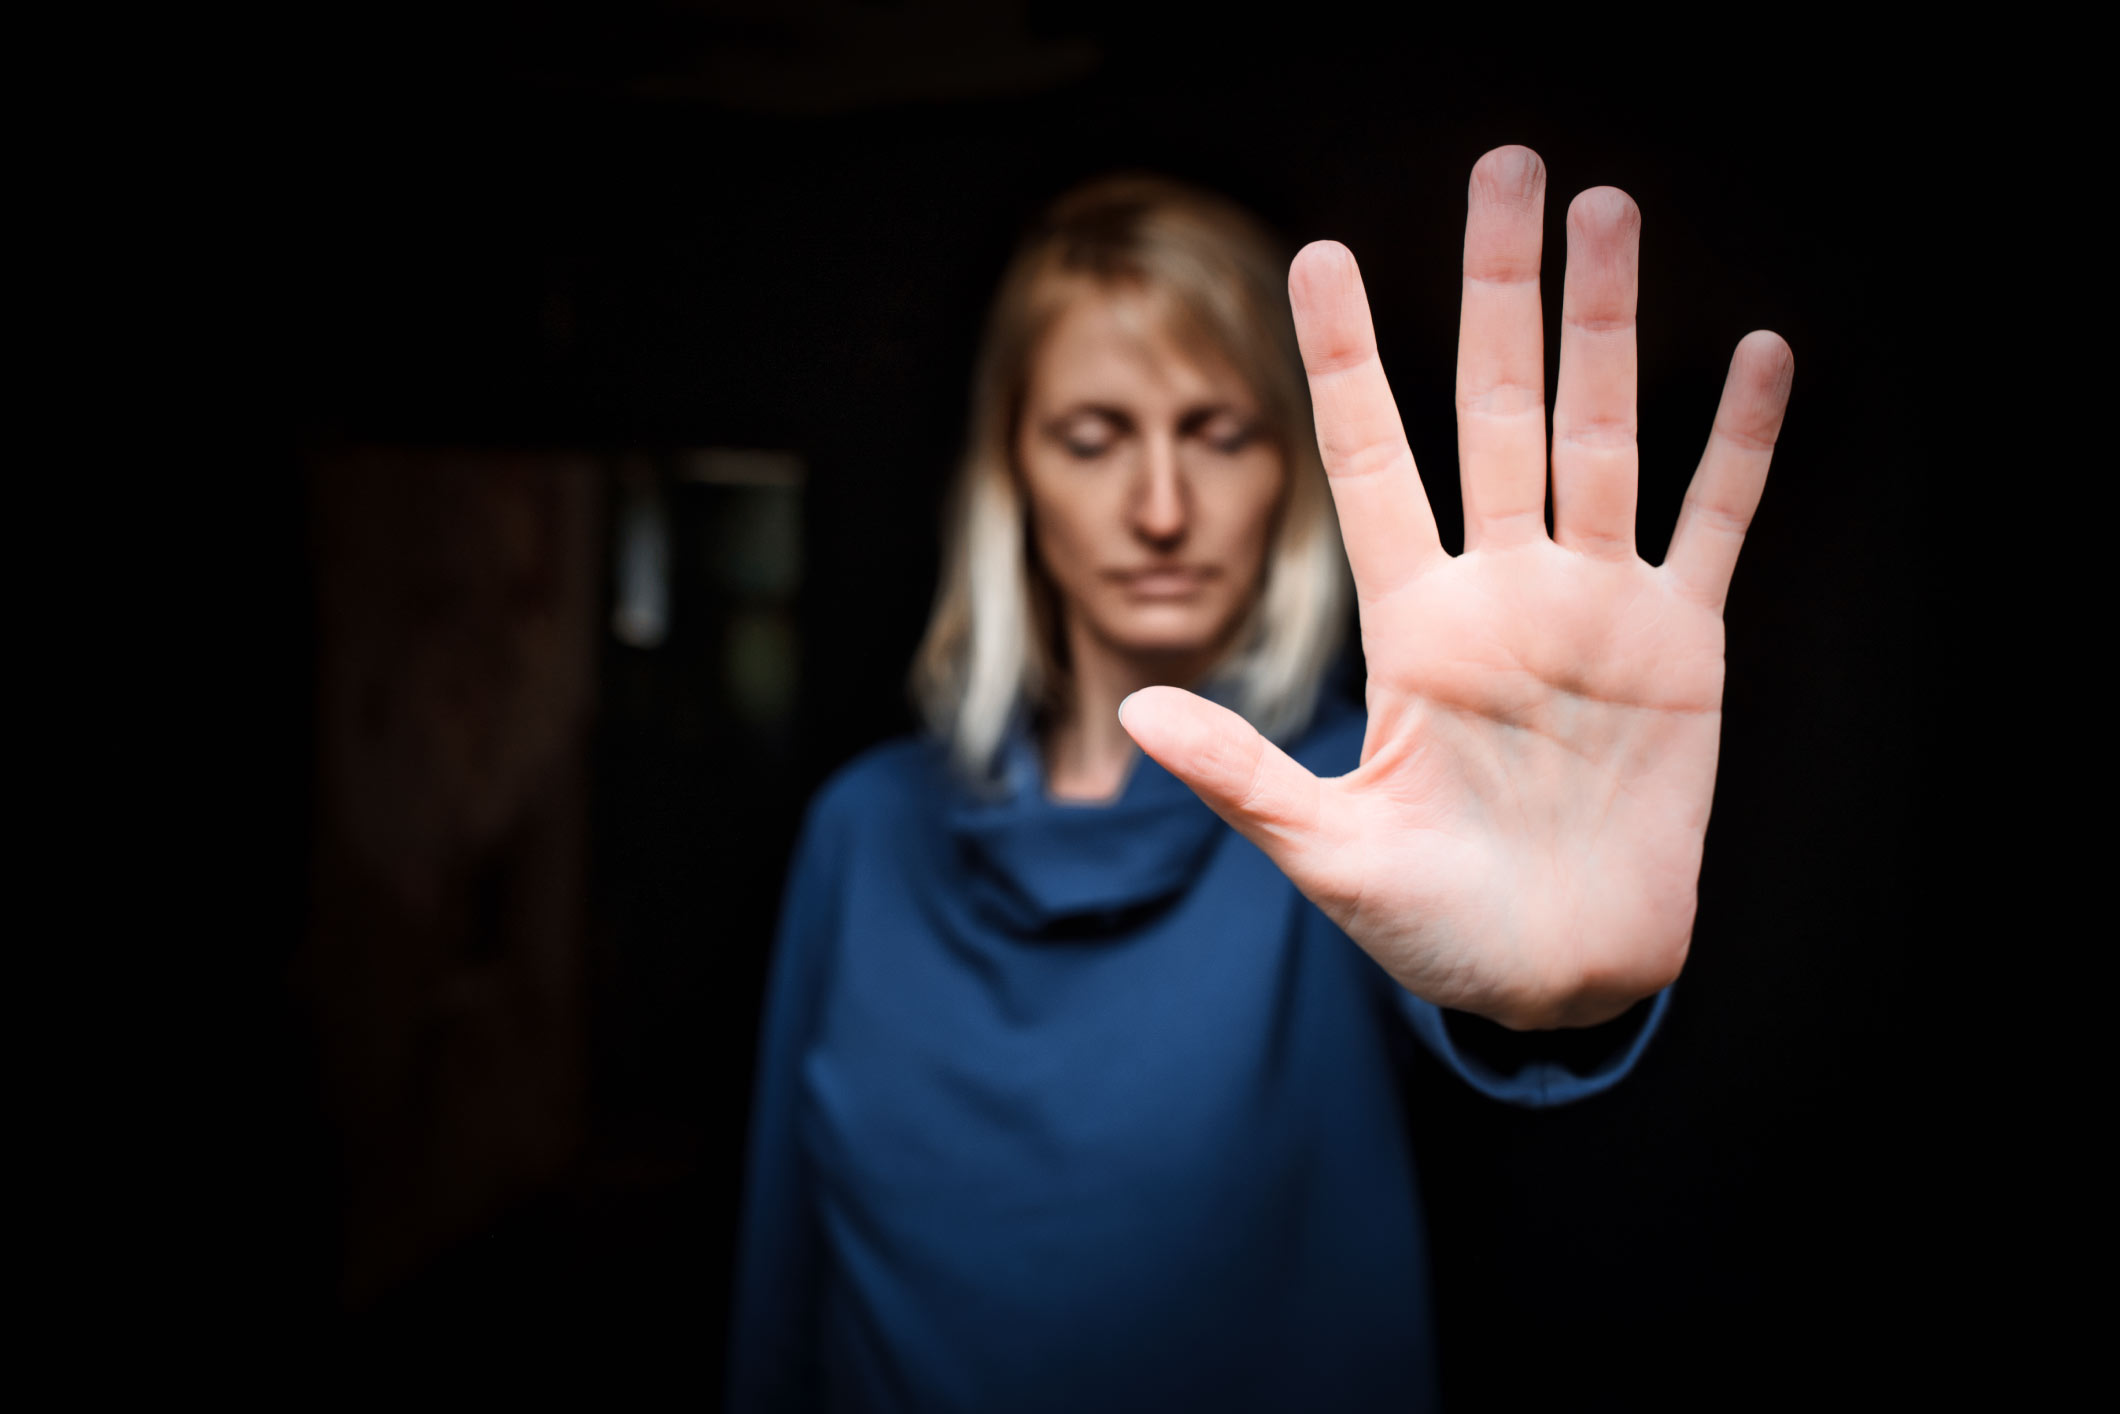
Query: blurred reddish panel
(457, 594)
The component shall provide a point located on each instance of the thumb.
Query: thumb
(1244, 778)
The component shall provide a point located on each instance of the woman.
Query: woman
(1073, 1098)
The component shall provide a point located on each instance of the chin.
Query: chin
(1165, 631)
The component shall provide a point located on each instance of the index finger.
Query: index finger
(1385, 520)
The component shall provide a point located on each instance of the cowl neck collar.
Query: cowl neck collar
(1076, 869)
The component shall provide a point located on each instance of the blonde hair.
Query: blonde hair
(993, 645)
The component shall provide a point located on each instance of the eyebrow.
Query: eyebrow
(1103, 410)
(1193, 418)
(1189, 419)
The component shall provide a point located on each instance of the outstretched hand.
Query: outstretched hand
(1522, 838)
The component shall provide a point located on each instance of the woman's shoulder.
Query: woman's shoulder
(886, 780)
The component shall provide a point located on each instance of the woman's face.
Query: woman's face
(1152, 490)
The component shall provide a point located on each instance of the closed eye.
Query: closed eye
(1221, 427)
(1089, 433)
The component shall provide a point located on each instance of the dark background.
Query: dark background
(537, 257)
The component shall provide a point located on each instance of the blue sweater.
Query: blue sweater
(1081, 1108)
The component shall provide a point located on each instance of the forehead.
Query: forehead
(1115, 344)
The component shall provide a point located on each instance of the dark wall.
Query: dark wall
(621, 233)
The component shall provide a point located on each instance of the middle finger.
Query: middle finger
(1501, 377)
(1596, 463)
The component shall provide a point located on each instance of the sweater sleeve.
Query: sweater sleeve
(772, 1362)
(1535, 1069)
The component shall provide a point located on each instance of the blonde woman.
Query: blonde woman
(1074, 1088)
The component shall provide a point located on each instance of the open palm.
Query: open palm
(1522, 838)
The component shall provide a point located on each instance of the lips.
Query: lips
(1163, 583)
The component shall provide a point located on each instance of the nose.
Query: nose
(1160, 512)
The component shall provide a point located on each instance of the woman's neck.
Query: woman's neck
(1087, 753)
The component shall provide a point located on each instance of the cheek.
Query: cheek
(1246, 502)
(1066, 528)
